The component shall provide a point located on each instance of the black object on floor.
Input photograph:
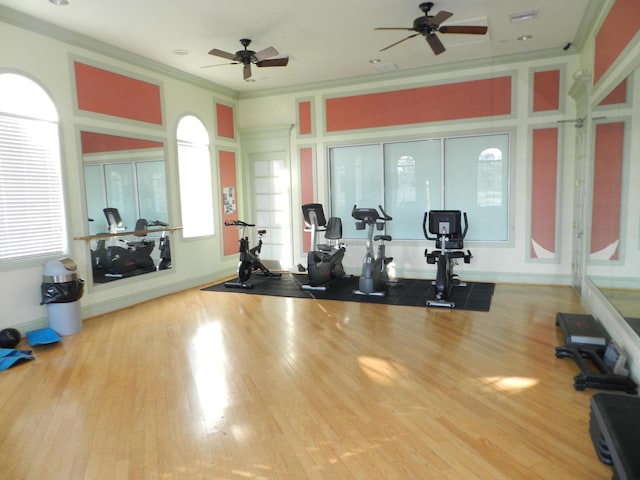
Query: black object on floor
(408, 292)
(614, 425)
(595, 370)
(582, 329)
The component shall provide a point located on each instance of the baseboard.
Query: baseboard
(125, 301)
(489, 277)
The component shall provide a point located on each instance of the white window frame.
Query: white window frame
(32, 211)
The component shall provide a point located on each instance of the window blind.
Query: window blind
(32, 220)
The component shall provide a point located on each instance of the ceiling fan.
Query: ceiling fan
(427, 26)
(246, 57)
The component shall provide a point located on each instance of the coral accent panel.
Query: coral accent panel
(618, 95)
(306, 187)
(478, 98)
(544, 186)
(620, 26)
(304, 116)
(100, 142)
(546, 91)
(607, 190)
(108, 93)
(224, 117)
(227, 164)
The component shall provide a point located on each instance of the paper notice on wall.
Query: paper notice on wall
(229, 200)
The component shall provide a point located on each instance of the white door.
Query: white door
(271, 192)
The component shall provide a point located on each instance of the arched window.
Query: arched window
(194, 166)
(32, 219)
(490, 181)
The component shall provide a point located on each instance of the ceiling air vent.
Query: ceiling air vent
(522, 16)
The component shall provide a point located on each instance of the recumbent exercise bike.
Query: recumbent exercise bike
(447, 231)
(324, 261)
(375, 276)
(249, 257)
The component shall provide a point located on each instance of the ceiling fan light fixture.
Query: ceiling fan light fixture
(524, 38)
(59, 2)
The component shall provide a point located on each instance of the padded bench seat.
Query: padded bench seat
(614, 426)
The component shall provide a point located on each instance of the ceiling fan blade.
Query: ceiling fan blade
(246, 71)
(440, 17)
(219, 64)
(435, 43)
(399, 41)
(468, 29)
(395, 28)
(223, 54)
(273, 62)
(266, 53)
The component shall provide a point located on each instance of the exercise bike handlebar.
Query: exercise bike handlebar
(385, 216)
(238, 223)
(370, 215)
(157, 223)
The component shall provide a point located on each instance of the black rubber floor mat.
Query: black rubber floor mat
(409, 292)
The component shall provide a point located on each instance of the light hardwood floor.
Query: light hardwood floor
(204, 385)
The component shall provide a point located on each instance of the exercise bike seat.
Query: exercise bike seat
(386, 238)
(333, 229)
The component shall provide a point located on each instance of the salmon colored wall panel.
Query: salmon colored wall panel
(620, 26)
(478, 98)
(304, 117)
(544, 183)
(108, 93)
(617, 96)
(224, 117)
(607, 190)
(227, 164)
(306, 186)
(546, 91)
(100, 142)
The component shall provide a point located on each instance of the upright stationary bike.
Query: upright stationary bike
(324, 261)
(375, 276)
(445, 226)
(249, 257)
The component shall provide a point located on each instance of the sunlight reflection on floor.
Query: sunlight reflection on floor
(510, 384)
(209, 374)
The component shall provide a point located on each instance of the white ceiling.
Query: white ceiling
(326, 40)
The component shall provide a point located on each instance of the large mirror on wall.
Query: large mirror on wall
(126, 199)
(613, 261)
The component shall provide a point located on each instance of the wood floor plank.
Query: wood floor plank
(201, 385)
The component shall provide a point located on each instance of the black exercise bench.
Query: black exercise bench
(614, 426)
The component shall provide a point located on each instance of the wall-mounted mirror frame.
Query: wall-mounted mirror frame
(614, 267)
(127, 205)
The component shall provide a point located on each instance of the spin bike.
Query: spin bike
(249, 257)
(324, 261)
(375, 276)
(447, 231)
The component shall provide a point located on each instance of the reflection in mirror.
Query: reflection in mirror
(614, 256)
(126, 198)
